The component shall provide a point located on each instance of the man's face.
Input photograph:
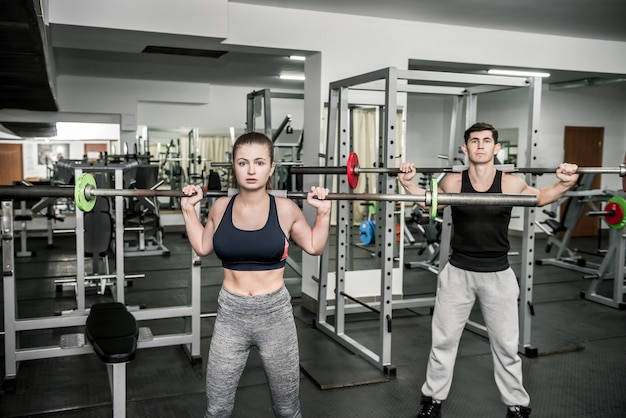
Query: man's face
(481, 147)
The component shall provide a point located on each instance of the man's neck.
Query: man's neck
(481, 176)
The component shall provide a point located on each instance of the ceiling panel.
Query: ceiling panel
(23, 74)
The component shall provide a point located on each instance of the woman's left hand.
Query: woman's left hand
(317, 198)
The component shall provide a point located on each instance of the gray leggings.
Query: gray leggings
(266, 322)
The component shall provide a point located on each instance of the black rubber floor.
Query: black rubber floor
(580, 372)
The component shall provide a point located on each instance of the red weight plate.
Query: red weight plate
(618, 213)
(617, 205)
(353, 162)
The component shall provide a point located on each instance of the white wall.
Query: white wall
(187, 17)
(211, 108)
(348, 45)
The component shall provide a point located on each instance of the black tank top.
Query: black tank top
(480, 241)
(261, 249)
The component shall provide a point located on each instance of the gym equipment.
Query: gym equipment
(85, 193)
(188, 312)
(352, 170)
(613, 264)
(112, 331)
(24, 217)
(367, 232)
(98, 237)
(560, 232)
(259, 102)
(387, 84)
(614, 212)
(380, 285)
(624, 178)
(431, 232)
(143, 233)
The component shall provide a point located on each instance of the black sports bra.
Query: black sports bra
(261, 249)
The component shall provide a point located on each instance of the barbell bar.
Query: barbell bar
(86, 190)
(85, 194)
(352, 170)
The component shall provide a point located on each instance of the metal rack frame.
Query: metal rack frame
(464, 88)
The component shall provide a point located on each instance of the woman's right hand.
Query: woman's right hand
(194, 195)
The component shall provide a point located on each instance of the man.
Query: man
(478, 268)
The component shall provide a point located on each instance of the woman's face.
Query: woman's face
(253, 166)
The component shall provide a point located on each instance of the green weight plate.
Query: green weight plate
(372, 207)
(434, 187)
(82, 203)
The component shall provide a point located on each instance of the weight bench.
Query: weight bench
(113, 332)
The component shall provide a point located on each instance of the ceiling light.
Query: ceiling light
(299, 77)
(297, 57)
(519, 73)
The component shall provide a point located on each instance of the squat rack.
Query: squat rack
(464, 89)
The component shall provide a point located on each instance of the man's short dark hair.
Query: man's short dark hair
(481, 126)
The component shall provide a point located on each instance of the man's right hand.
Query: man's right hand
(407, 173)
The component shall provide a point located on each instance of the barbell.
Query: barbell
(352, 170)
(85, 193)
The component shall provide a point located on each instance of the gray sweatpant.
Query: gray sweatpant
(497, 293)
(266, 322)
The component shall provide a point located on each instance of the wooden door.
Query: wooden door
(583, 146)
(93, 151)
(11, 164)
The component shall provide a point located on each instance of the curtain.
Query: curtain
(365, 145)
(217, 149)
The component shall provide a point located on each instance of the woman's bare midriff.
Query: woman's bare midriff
(253, 283)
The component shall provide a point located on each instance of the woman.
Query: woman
(250, 234)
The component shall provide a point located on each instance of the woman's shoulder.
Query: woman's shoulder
(285, 204)
(284, 201)
(220, 204)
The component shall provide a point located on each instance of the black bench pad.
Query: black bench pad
(112, 331)
(555, 225)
